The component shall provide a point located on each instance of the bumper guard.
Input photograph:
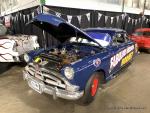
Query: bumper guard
(40, 87)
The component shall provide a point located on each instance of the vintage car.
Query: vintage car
(142, 37)
(84, 60)
(12, 47)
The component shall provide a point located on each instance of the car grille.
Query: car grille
(49, 77)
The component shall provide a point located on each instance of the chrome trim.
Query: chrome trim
(53, 77)
(51, 82)
(56, 92)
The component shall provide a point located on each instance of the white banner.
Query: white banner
(143, 17)
(33, 15)
(69, 18)
(129, 19)
(20, 14)
(135, 21)
(24, 18)
(88, 16)
(112, 19)
(99, 16)
(117, 19)
(79, 18)
(123, 16)
(38, 10)
(106, 18)
(147, 21)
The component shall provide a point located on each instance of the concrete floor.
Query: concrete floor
(128, 93)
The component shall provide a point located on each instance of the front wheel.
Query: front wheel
(91, 88)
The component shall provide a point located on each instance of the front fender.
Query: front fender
(85, 67)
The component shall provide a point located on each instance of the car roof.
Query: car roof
(110, 31)
(142, 29)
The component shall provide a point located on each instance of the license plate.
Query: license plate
(35, 85)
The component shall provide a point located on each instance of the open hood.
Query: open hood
(58, 27)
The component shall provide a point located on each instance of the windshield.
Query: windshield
(82, 41)
(138, 33)
(103, 39)
(145, 33)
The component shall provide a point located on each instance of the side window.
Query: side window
(119, 38)
(146, 34)
(126, 37)
(138, 33)
(82, 40)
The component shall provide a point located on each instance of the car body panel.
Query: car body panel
(6, 50)
(20, 45)
(142, 40)
(12, 47)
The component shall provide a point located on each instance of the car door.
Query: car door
(119, 44)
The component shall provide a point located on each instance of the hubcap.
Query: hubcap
(94, 86)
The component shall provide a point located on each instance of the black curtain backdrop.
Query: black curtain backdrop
(129, 22)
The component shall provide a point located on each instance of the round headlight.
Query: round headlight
(26, 58)
(69, 72)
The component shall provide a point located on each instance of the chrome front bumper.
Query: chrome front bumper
(56, 92)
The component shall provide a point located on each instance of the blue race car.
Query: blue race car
(83, 61)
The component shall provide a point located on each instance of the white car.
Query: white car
(12, 47)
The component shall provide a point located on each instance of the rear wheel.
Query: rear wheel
(148, 51)
(91, 88)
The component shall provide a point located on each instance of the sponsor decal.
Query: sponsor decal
(97, 62)
(119, 56)
(127, 58)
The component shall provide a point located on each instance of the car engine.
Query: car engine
(56, 58)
